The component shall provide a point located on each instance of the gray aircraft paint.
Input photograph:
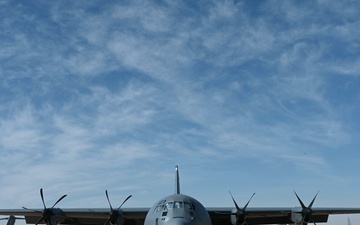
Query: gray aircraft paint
(177, 209)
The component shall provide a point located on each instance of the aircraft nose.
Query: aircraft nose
(178, 221)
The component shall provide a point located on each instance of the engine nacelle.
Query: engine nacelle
(233, 218)
(237, 217)
(53, 216)
(117, 217)
(296, 215)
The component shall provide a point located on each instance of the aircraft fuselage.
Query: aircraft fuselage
(178, 209)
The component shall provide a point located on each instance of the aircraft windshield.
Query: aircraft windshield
(178, 205)
(174, 205)
(162, 206)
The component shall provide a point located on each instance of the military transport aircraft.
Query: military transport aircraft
(177, 209)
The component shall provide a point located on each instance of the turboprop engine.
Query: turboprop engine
(238, 215)
(302, 215)
(116, 216)
(49, 216)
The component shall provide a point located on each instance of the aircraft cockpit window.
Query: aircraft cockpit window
(178, 205)
(174, 205)
(169, 205)
(159, 207)
(188, 206)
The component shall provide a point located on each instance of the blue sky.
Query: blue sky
(247, 96)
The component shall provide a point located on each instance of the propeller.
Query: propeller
(116, 216)
(240, 214)
(306, 212)
(11, 219)
(47, 213)
(11, 216)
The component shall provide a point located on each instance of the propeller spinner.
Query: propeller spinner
(306, 212)
(51, 215)
(238, 217)
(116, 216)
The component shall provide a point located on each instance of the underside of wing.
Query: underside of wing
(221, 216)
(134, 216)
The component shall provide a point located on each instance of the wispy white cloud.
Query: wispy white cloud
(98, 97)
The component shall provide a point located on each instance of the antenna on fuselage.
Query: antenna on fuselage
(177, 180)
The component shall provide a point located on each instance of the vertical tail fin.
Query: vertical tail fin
(177, 180)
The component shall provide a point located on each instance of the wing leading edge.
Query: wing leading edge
(90, 216)
(219, 216)
(274, 215)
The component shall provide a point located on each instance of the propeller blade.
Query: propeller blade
(32, 210)
(240, 214)
(312, 202)
(236, 205)
(39, 221)
(42, 197)
(248, 202)
(58, 201)
(107, 221)
(124, 201)
(301, 203)
(47, 213)
(107, 196)
(115, 215)
(246, 205)
(307, 211)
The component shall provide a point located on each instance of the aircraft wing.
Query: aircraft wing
(219, 216)
(274, 215)
(90, 216)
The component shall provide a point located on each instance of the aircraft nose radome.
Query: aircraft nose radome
(178, 221)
